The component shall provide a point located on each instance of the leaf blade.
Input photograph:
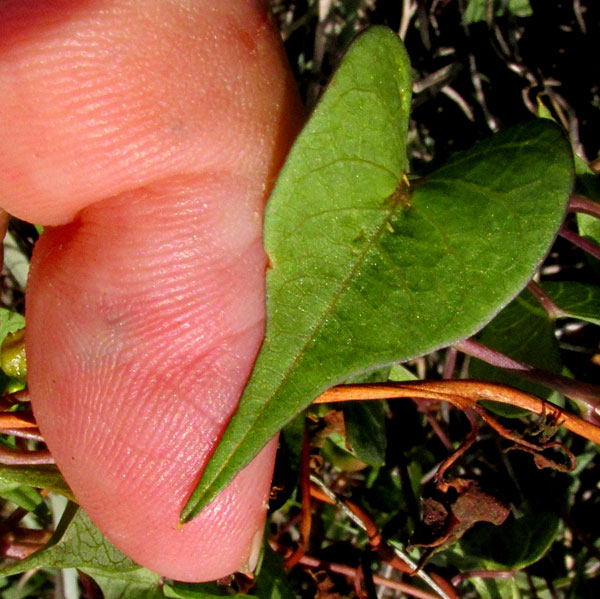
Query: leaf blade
(337, 249)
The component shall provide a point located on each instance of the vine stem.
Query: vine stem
(350, 572)
(581, 204)
(16, 457)
(576, 390)
(17, 420)
(581, 242)
(545, 301)
(462, 394)
(306, 521)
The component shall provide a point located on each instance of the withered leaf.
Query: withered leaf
(447, 515)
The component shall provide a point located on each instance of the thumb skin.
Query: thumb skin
(146, 137)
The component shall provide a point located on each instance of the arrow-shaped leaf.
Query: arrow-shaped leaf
(366, 271)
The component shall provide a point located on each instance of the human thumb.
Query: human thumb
(146, 136)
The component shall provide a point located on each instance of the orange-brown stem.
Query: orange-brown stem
(305, 486)
(462, 394)
(17, 420)
(348, 571)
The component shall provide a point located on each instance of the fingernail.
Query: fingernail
(252, 561)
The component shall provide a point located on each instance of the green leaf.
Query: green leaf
(365, 428)
(576, 300)
(183, 590)
(478, 10)
(40, 477)
(399, 374)
(489, 588)
(136, 584)
(587, 184)
(516, 544)
(365, 271)
(10, 322)
(25, 497)
(365, 422)
(77, 543)
(271, 580)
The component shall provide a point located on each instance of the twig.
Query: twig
(582, 204)
(32, 434)
(398, 558)
(576, 390)
(450, 363)
(313, 562)
(305, 522)
(541, 296)
(409, 7)
(365, 575)
(462, 449)
(581, 242)
(462, 394)
(14, 420)
(15, 457)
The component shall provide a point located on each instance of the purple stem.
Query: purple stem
(15, 457)
(450, 363)
(23, 433)
(576, 390)
(587, 246)
(553, 310)
(580, 204)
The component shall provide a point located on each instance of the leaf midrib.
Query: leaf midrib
(336, 298)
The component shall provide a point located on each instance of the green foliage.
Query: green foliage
(482, 10)
(365, 427)
(344, 229)
(77, 543)
(576, 300)
(41, 477)
(516, 544)
(10, 322)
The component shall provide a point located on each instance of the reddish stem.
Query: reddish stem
(15, 457)
(305, 522)
(581, 242)
(584, 205)
(576, 390)
(462, 394)
(551, 308)
(348, 571)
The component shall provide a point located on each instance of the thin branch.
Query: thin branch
(449, 363)
(582, 204)
(576, 390)
(15, 457)
(305, 522)
(33, 434)
(458, 453)
(581, 242)
(541, 296)
(17, 420)
(395, 557)
(313, 562)
(462, 394)
(409, 7)
(18, 397)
